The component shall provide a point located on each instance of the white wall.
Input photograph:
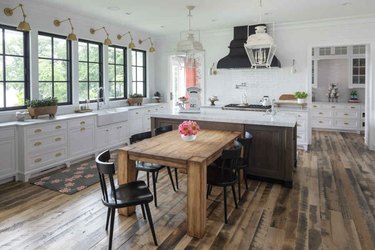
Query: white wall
(293, 42)
(41, 19)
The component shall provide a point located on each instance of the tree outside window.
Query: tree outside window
(117, 72)
(14, 68)
(139, 72)
(90, 69)
(54, 67)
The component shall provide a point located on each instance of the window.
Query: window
(54, 67)
(139, 72)
(14, 68)
(117, 72)
(90, 69)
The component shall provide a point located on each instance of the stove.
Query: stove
(248, 107)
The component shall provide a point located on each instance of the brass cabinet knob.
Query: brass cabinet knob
(82, 122)
(58, 139)
(58, 127)
(37, 160)
(38, 143)
(37, 130)
(57, 154)
(82, 129)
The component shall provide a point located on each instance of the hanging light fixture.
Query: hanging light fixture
(152, 48)
(71, 36)
(189, 44)
(260, 47)
(131, 44)
(107, 41)
(23, 25)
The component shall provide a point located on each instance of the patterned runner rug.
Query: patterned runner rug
(71, 180)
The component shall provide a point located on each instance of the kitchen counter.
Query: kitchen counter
(231, 116)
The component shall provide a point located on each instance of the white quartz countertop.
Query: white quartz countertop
(231, 116)
(45, 119)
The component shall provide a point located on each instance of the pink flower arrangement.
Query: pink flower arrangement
(188, 128)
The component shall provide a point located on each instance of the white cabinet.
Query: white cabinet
(112, 135)
(81, 136)
(357, 66)
(7, 152)
(337, 116)
(140, 118)
(303, 130)
(42, 146)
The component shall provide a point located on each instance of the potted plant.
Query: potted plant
(188, 130)
(135, 99)
(157, 96)
(46, 106)
(301, 96)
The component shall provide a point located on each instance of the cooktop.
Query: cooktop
(247, 107)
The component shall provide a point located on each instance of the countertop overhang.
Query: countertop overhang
(231, 116)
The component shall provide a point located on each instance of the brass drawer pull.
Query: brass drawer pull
(299, 136)
(333, 106)
(82, 129)
(352, 107)
(346, 114)
(58, 139)
(149, 111)
(320, 113)
(315, 106)
(320, 122)
(57, 154)
(37, 160)
(82, 122)
(37, 130)
(38, 143)
(136, 113)
(346, 123)
(299, 125)
(58, 127)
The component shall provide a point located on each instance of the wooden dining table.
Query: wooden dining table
(169, 149)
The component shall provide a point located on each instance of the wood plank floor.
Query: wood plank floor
(331, 206)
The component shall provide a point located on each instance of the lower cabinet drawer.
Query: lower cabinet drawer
(322, 113)
(319, 122)
(342, 123)
(43, 159)
(347, 114)
(35, 144)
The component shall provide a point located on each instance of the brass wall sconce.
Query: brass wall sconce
(107, 41)
(71, 36)
(151, 49)
(23, 26)
(131, 44)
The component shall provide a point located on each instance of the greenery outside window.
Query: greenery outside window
(14, 68)
(117, 72)
(90, 60)
(139, 72)
(54, 54)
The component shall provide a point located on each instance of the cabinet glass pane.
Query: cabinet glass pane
(355, 70)
(362, 79)
(355, 62)
(362, 62)
(355, 79)
(362, 71)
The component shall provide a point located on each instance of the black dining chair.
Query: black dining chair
(162, 130)
(125, 195)
(244, 160)
(226, 174)
(149, 167)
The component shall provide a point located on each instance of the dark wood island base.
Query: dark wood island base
(273, 153)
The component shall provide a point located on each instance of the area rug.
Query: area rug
(72, 179)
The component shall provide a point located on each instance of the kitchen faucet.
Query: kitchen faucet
(98, 98)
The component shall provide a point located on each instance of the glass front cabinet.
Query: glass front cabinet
(357, 66)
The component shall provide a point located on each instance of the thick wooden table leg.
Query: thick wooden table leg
(196, 197)
(125, 173)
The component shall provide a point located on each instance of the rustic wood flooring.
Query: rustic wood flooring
(331, 206)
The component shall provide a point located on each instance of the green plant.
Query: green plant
(50, 101)
(135, 95)
(300, 95)
(354, 92)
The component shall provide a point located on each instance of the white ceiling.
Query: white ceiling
(160, 17)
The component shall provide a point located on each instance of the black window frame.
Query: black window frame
(69, 65)
(124, 49)
(26, 60)
(144, 71)
(88, 69)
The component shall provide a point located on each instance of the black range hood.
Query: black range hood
(237, 57)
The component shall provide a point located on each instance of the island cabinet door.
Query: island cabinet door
(267, 152)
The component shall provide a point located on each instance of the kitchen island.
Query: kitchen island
(273, 152)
